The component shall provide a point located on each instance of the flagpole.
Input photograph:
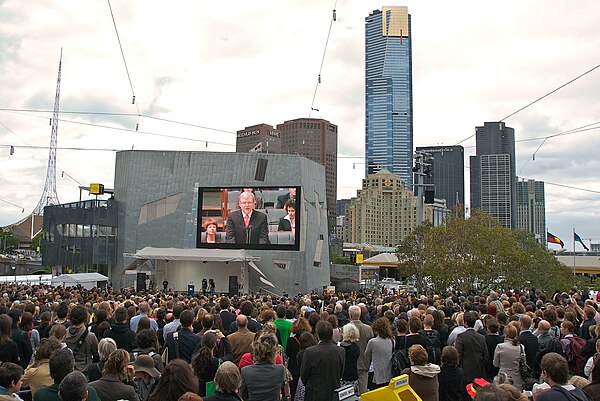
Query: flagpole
(574, 255)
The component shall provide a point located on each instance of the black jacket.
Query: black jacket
(530, 342)
(123, 336)
(188, 341)
(21, 338)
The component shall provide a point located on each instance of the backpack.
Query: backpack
(433, 346)
(574, 358)
(399, 361)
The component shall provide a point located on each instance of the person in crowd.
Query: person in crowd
(568, 340)
(472, 350)
(27, 326)
(284, 326)
(227, 382)
(299, 326)
(322, 365)
(204, 363)
(80, 340)
(210, 231)
(458, 329)
(21, 338)
(401, 330)
(143, 308)
(590, 314)
(451, 375)
(106, 346)
(177, 379)
(9, 351)
(246, 225)
(171, 327)
(146, 376)
(440, 326)
(350, 337)
(11, 379)
(100, 316)
(546, 343)
(422, 376)
(73, 387)
(379, 352)
(110, 386)
(528, 339)
(492, 339)
(120, 332)
(263, 380)
(44, 323)
(241, 340)
(182, 344)
(246, 309)
(282, 199)
(61, 364)
(37, 374)
(508, 354)
(593, 389)
(227, 317)
(147, 344)
(365, 334)
(555, 373)
(512, 393)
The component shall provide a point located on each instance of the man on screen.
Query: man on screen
(245, 225)
(281, 199)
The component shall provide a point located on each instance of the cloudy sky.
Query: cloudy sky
(201, 70)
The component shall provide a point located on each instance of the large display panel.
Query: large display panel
(249, 218)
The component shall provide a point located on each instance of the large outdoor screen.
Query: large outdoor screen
(249, 218)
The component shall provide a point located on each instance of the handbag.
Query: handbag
(524, 369)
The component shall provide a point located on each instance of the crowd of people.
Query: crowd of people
(103, 344)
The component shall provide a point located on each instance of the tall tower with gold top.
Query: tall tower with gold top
(388, 92)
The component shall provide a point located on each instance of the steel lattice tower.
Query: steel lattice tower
(49, 195)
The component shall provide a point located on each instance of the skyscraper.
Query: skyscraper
(263, 136)
(493, 173)
(531, 208)
(388, 92)
(448, 173)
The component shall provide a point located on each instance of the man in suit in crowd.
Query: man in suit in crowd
(227, 317)
(528, 339)
(366, 333)
(241, 340)
(245, 225)
(187, 341)
(472, 348)
(21, 338)
(322, 365)
(282, 199)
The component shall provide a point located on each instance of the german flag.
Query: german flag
(555, 240)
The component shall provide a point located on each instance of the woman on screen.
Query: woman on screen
(210, 228)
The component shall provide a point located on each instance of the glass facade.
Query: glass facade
(388, 93)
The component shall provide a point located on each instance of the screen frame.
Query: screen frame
(270, 247)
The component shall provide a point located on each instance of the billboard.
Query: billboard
(249, 218)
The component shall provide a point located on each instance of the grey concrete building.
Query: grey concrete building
(157, 193)
(448, 175)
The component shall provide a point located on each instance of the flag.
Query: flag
(555, 240)
(577, 238)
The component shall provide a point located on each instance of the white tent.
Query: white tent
(195, 254)
(87, 280)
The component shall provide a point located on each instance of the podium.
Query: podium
(397, 390)
(191, 288)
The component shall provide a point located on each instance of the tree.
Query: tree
(339, 260)
(8, 242)
(479, 253)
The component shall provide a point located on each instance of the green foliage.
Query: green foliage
(36, 242)
(339, 260)
(8, 243)
(479, 253)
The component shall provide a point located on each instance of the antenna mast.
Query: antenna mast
(49, 195)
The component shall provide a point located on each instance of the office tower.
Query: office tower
(315, 139)
(383, 212)
(388, 93)
(447, 173)
(493, 173)
(531, 208)
(261, 137)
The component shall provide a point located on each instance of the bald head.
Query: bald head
(543, 326)
(338, 307)
(241, 321)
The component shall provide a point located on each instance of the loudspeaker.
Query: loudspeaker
(429, 196)
(233, 286)
(140, 284)
(261, 169)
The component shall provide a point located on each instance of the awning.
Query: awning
(383, 260)
(195, 254)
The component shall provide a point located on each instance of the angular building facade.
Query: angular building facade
(531, 209)
(493, 173)
(448, 173)
(262, 136)
(388, 92)
(383, 212)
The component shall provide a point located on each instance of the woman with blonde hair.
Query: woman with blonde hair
(508, 354)
(227, 381)
(350, 337)
(106, 346)
(263, 380)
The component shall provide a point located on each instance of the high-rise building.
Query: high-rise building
(447, 173)
(531, 208)
(261, 137)
(493, 173)
(383, 212)
(315, 139)
(388, 92)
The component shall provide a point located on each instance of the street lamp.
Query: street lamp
(15, 271)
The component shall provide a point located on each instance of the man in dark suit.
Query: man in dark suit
(281, 199)
(186, 342)
(528, 339)
(247, 226)
(21, 338)
(226, 316)
(472, 348)
(322, 365)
